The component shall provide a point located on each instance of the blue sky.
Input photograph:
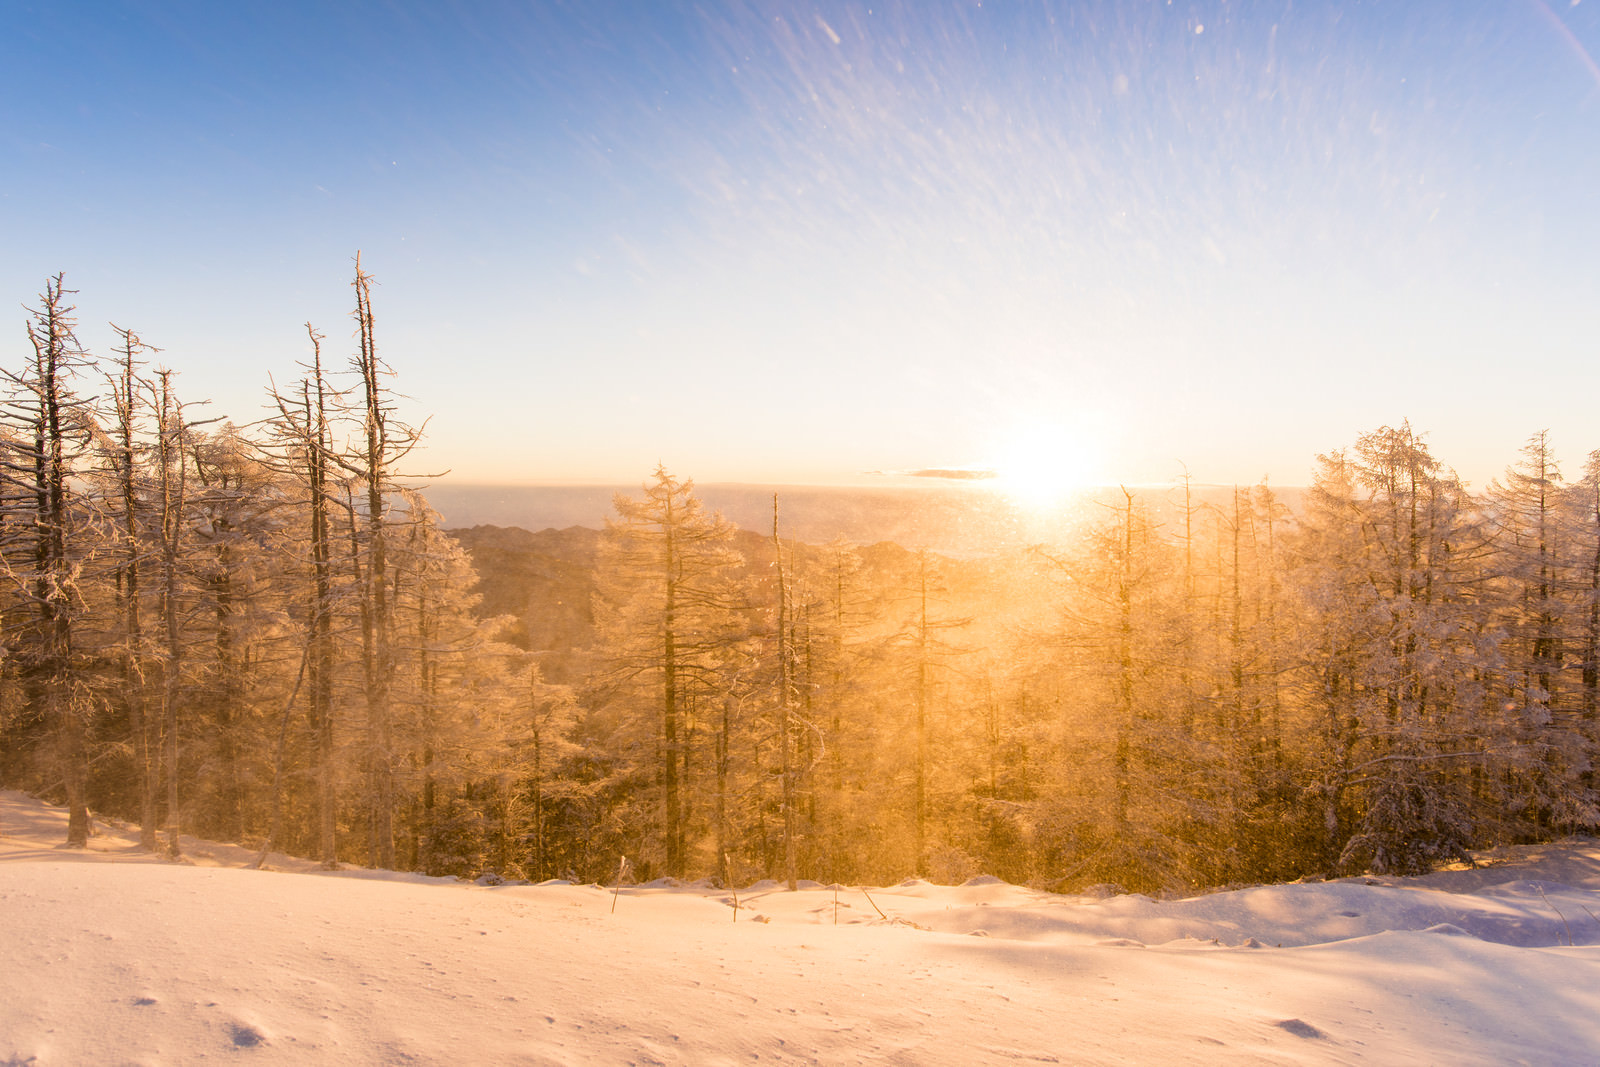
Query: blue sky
(796, 242)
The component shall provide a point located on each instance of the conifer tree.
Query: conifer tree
(837, 618)
(1541, 613)
(1419, 701)
(246, 588)
(1585, 508)
(673, 617)
(787, 670)
(1530, 559)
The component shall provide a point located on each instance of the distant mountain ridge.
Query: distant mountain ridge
(962, 519)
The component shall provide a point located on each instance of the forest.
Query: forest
(262, 634)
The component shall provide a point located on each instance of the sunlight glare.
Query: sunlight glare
(1041, 463)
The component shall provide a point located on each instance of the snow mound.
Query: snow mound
(1448, 929)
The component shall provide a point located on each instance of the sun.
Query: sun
(1040, 464)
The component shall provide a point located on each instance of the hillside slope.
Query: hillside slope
(113, 956)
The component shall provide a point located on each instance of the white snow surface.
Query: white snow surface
(114, 956)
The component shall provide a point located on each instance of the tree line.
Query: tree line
(262, 634)
(1178, 694)
(241, 632)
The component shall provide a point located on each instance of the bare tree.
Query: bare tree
(51, 427)
(384, 443)
(303, 448)
(124, 452)
(172, 484)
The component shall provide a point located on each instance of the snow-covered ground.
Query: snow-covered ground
(111, 956)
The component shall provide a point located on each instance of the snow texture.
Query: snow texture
(113, 956)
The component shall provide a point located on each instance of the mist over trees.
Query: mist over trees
(261, 633)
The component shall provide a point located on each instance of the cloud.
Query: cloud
(960, 474)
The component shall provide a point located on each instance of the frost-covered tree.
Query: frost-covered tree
(301, 447)
(123, 455)
(673, 612)
(1529, 525)
(1584, 507)
(1537, 579)
(1122, 792)
(242, 563)
(1402, 667)
(46, 538)
(383, 442)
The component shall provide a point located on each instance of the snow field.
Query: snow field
(116, 957)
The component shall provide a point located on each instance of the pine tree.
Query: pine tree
(1584, 496)
(786, 649)
(1530, 558)
(836, 617)
(459, 712)
(674, 614)
(1414, 712)
(1539, 616)
(244, 572)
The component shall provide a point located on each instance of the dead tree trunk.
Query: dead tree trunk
(127, 387)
